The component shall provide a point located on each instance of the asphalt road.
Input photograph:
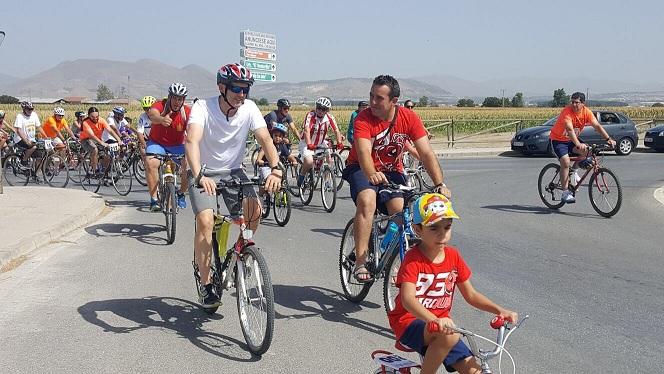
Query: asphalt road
(114, 298)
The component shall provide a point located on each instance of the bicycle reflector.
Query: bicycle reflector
(497, 322)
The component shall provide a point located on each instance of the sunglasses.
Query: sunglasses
(238, 89)
(410, 107)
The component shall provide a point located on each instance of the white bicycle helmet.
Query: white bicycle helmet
(59, 111)
(324, 102)
(177, 89)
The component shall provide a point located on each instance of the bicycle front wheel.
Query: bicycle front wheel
(255, 300)
(14, 173)
(170, 208)
(328, 189)
(605, 192)
(292, 171)
(89, 180)
(282, 207)
(338, 170)
(265, 205)
(354, 290)
(55, 171)
(139, 170)
(73, 160)
(121, 177)
(390, 290)
(307, 188)
(548, 185)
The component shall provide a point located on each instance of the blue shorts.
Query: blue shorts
(413, 338)
(359, 182)
(562, 148)
(153, 147)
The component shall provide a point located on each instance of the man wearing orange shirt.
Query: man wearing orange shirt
(565, 137)
(53, 127)
(93, 127)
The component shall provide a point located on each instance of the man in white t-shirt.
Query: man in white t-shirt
(25, 128)
(117, 122)
(144, 124)
(216, 135)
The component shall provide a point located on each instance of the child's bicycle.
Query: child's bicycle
(320, 172)
(604, 188)
(393, 363)
(241, 266)
(378, 264)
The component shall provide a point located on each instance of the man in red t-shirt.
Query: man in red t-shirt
(169, 121)
(381, 134)
(565, 138)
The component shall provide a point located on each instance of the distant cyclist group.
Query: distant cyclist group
(211, 135)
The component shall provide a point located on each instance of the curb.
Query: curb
(659, 194)
(466, 154)
(52, 233)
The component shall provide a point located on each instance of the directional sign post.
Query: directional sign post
(259, 40)
(259, 65)
(266, 77)
(256, 54)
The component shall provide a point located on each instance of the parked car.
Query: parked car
(654, 138)
(535, 140)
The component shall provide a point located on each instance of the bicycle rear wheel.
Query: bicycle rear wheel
(390, 290)
(282, 207)
(54, 170)
(138, 167)
(605, 192)
(548, 185)
(338, 169)
(73, 160)
(14, 173)
(307, 188)
(170, 208)
(265, 205)
(121, 177)
(255, 300)
(292, 171)
(353, 290)
(328, 189)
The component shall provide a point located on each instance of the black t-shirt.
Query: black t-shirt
(275, 117)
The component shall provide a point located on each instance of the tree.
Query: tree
(656, 105)
(517, 100)
(123, 92)
(424, 101)
(560, 98)
(465, 103)
(104, 93)
(262, 101)
(492, 102)
(6, 99)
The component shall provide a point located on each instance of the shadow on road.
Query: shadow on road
(324, 303)
(337, 233)
(142, 233)
(513, 208)
(183, 317)
(140, 205)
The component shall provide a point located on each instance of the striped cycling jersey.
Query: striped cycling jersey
(317, 127)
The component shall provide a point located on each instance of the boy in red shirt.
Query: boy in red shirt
(427, 278)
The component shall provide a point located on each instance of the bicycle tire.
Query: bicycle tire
(14, 173)
(548, 185)
(328, 189)
(257, 335)
(292, 172)
(169, 207)
(72, 163)
(307, 188)
(282, 207)
(89, 181)
(121, 177)
(138, 168)
(353, 290)
(254, 158)
(390, 290)
(599, 187)
(426, 183)
(266, 201)
(55, 171)
(338, 170)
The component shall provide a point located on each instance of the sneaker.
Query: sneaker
(567, 197)
(182, 203)
(300, 180)
(208, 298)
(154, 206)
(574, 178)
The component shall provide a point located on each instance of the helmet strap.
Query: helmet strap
(230, 106)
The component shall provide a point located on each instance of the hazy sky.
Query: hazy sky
(470, 39)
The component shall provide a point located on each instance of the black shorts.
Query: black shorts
(359, 182)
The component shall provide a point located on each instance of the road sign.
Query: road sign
(256, 54)
(264, 76)
(260, 65)
(259, 40)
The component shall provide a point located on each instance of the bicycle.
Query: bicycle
(136, 162)
(169, 170)
(338, 164)
(320, 172)
(418, 177)
(378, 264)
(243, 267)
(604, 187)
(280, 201)
(392, 363)
(53, 166)
(74, 155)
(117, 171)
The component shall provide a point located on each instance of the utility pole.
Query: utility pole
(503, 96)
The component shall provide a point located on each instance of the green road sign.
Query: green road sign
(264, 76)
(260, 65)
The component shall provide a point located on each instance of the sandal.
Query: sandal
(361, 270)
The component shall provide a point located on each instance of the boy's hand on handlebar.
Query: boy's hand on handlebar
(445, 325)
(509, 315)
(208, 185)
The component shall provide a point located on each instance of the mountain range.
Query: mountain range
(151, 77)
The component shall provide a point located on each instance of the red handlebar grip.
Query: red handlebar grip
(433, 326)
(497, 322)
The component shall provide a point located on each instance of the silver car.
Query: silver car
(535, 140)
